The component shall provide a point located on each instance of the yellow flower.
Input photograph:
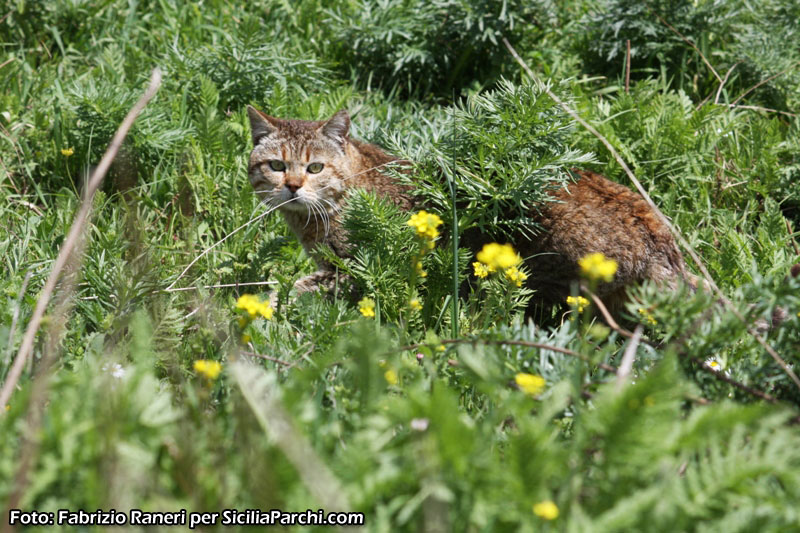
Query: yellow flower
(481, 270)
(254, 307)
(515, 276)
(421, 273)
(580, 302)
(440, 348)
(597, 266)
(246, 338)
(209, 369)
(391, 377)
(530, 383)
(425, 223)
(367, 307)
(415, 304)
(500, 256)
(66, 152)
(546, 509)
(647, 316)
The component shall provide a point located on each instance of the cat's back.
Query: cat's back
(595, 214)
(372, 173)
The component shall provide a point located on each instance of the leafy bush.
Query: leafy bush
(417, 47)
(740, 40)
(510, 145)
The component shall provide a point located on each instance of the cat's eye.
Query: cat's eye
(315, 168)
(277, 166)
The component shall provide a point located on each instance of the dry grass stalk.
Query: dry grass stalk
(679, 237)
(73, 237)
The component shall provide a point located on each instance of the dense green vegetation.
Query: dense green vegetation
(395, 417)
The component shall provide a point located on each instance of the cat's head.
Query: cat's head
(301, 164)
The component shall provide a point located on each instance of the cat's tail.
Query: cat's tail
(762, 325)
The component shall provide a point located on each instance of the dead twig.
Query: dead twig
(626, 365)
(269, 358)
(759, 108)
(679, 341)
(766, 80)
(529, 344)
(70, 242)
(628, 66)
(678, 236)
(722, 83)
(606, 315)
(791, 236)
(721, 375)
(220, 286)
(262, 393)
(689, 42)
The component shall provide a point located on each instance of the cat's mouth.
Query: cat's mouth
(295, 205)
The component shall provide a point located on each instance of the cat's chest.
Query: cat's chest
(313, 229)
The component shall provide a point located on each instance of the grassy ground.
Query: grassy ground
(321, 407)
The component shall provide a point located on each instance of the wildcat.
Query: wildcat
(306, 168)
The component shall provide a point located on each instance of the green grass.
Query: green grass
(417, 430)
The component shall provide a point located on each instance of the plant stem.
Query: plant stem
(452, 180)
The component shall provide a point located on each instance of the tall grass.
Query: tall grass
(417, 419)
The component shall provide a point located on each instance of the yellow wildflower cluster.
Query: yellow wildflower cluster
(209, 369)
(648, 316)
(66, 152)
(254, 307)
(391, 377)
(367, 307)
(420, 272)
(494, 257)
(598, 267)
(515, 276)
(580, 302)
(415, 304)
(499, 256)
(530, 383)
(546, 509)
(482, 270)
(426, 225)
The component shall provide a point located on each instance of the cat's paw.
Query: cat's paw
(321, 279)
(307, 284)
(326, 280)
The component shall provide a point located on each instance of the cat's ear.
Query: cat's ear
(337, 128)
(261, 124)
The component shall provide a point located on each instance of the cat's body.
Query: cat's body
(591, 215)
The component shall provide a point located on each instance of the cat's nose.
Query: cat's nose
(293, 185)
